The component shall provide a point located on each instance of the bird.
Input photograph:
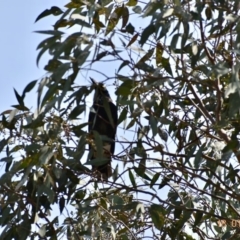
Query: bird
(103, 118)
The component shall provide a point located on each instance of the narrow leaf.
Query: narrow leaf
(51, 32)
(132, 3)
(130, 28)
(147, 32)
(137, 9)
(29, 87)
(133, 39)
(123, 115)
(198, 158)
(159, 53)
(154, 179)
(19, 98)
(77, 111)
(61, 204)
(132, 178)
(123, 64)
(198, 218)
(166, 65)
(157, 214)
(53, 10)
(153, 124)
(125, 16)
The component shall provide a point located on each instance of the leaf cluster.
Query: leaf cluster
(176, 165)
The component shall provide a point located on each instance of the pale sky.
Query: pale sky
(18, 44)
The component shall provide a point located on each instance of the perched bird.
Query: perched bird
(103, 119)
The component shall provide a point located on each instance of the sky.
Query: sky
(18, 45)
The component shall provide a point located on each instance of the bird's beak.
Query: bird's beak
(93, 81)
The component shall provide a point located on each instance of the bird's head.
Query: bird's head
(100, 91)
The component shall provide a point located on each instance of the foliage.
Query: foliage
(176, 167)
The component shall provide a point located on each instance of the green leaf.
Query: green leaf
(29, 87)
(105, 2)
(157, 213)
(52, 65)
(145, 67)
(51, 32)
(46, 45)
(185, 34)
(77, 129)
(99, 161)
(49, 95)
(30, 149)
(137, 9)
(123, 115)
(166, 65)
(80, 194)
(130, 28)
(47, 42)
(16, 148)
(132, 3)
(82, 23)
(74, 4)
(123, 64)
(8, 161)
(99, 144)
(153, 124)
(175, 40)
(159, 53)
(125, 16)
(114, 18)
(66, 87)
(198, 218)
(233, 144)
(38, 122)
(165, 181)
(168, 12)
(46, 154)
(63, 23)
(53, 10)
(82, 56)
(151, 8)
(107, 109)
(77, 111)
(208, 13)
(147, 32)
(19, 98)
(125, 88)
(132, 122)
(141, 168)
(60, 71)
(12, 116)
(147, 56)
(101, 55)
(154, 179)
(198, 158)
(61, 204)
(133, 39)
(20, 107)
(132, 178)
(24, 228)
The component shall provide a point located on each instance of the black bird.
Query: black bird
(103, 119)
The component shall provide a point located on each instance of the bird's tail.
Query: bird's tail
(105, 171)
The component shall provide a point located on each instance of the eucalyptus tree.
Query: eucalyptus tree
(172, 68)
